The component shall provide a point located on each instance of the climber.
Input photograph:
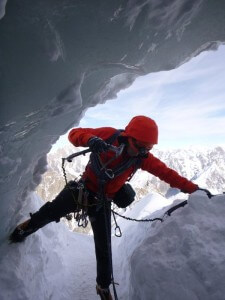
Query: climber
(103, 178)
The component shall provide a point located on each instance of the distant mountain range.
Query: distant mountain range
(204, 166)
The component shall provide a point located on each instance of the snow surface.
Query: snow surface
(181, 258)
(51, 264)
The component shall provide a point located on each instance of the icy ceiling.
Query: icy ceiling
(58, 57)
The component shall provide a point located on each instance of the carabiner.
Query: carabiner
(109, 173)
(119, 234)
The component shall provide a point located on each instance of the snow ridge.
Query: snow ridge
(181, 258)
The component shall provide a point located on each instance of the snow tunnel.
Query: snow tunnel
(58, 58)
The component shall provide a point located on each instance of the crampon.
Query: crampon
(103, 293)
(21, 232)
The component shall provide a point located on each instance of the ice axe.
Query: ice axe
(117, 150)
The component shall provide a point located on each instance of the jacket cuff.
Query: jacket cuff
(191, 189)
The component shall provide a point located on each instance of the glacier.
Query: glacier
(57, 58)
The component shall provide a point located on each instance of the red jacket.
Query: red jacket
(80, 136)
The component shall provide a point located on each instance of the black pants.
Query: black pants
(100, 218)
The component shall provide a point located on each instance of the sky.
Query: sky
(187, 103)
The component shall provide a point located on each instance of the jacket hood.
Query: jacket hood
(143, 129)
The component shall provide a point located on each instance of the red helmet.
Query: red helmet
(142, 129)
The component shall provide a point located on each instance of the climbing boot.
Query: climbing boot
(103, 293)
(37, 221)
(22, 231)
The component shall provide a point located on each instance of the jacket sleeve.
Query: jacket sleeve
(156, 167)
(80, 136)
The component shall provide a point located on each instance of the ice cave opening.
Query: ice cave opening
(202, 77)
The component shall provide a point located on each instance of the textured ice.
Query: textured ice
(2, 8)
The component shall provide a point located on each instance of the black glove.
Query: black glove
(97, 145)
(206, 191)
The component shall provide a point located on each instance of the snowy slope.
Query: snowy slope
(181, 258)
(52, 264)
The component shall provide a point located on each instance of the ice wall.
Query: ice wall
(57, 58)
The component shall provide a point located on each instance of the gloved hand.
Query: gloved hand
(97, 145)
(206, 191)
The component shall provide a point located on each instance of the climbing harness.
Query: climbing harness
(80, 214)
(101, 171)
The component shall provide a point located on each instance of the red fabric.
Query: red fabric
(142, 129)
(80, 136)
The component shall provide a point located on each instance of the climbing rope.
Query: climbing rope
(64, 170)
(137, 220)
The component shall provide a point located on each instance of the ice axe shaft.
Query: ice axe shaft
(117, 150)
(70, 157)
